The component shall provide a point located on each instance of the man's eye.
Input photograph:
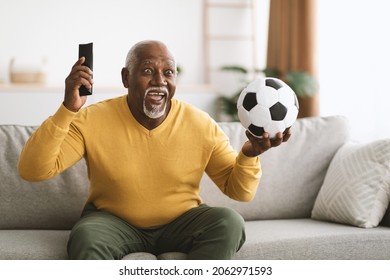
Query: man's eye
(169, 72)
(148, 71)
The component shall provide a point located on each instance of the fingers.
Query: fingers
(287, 135)
(277, 140)
(79, 62)
(253, 138)
(80, 78)
(80, 75)
(280, 138)
(79, 67)
(258, 145)
(252, 147)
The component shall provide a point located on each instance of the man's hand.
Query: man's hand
(79, 75)
(256, 146)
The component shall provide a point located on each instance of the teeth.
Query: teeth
(156, 93)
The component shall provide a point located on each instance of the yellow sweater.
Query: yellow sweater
(146, 177)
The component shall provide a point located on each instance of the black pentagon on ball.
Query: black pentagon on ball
(256, 130)
(273, 83)
(278, 111)
(249, 101)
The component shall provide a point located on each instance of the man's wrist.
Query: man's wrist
(244, 159)
(63, 117)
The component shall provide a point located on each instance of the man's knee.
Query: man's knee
(231, 224)
(223, 234)
(100, 236)
(228, 217)
(86, 243)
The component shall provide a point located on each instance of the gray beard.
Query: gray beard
(155, 112)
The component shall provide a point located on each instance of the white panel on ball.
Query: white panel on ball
(286, 96)
(241, 97)
(274, 127)
(267, 96)
(244, 117)
(255, 85)
(260, 115)
(291, 116)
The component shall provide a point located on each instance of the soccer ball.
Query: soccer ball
(267, 105)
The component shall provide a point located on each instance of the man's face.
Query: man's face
(152, 82)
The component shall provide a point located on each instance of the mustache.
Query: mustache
(157, 89)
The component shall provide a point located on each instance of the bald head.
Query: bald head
(134, 53)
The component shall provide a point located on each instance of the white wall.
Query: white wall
(354, 64)
(32, 29)
(353, 49)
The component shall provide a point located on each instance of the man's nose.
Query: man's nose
(159, 79)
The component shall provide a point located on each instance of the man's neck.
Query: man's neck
(145, 121)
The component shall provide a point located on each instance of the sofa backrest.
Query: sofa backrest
(56, 203)
(292, 173)
(292, 176)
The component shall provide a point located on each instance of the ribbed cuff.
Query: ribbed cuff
(63, 117)
(242, 159)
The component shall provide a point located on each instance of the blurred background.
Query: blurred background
(335, 53)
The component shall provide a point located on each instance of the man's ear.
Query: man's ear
(125, 76)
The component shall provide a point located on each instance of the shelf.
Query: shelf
(39, 88)
(231, 37)
(246, 5)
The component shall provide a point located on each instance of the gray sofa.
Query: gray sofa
(282, 222)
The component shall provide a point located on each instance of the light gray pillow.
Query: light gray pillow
(356, 190)
(292, 173)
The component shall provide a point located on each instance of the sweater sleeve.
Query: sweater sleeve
(53, 147)
(234, 173)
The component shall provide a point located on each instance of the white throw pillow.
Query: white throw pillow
(356, 188)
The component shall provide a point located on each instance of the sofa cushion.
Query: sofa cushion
(307, 239)
(33, 244)
(140, 256)
(172, 256)
(51, 204)
(356, 189)
(292, 173)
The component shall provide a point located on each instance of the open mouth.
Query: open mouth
(156, 95)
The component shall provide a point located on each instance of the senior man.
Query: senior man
(146, 153)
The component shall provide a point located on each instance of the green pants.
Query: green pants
(202, 233)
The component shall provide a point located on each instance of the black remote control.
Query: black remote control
(86, 50)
